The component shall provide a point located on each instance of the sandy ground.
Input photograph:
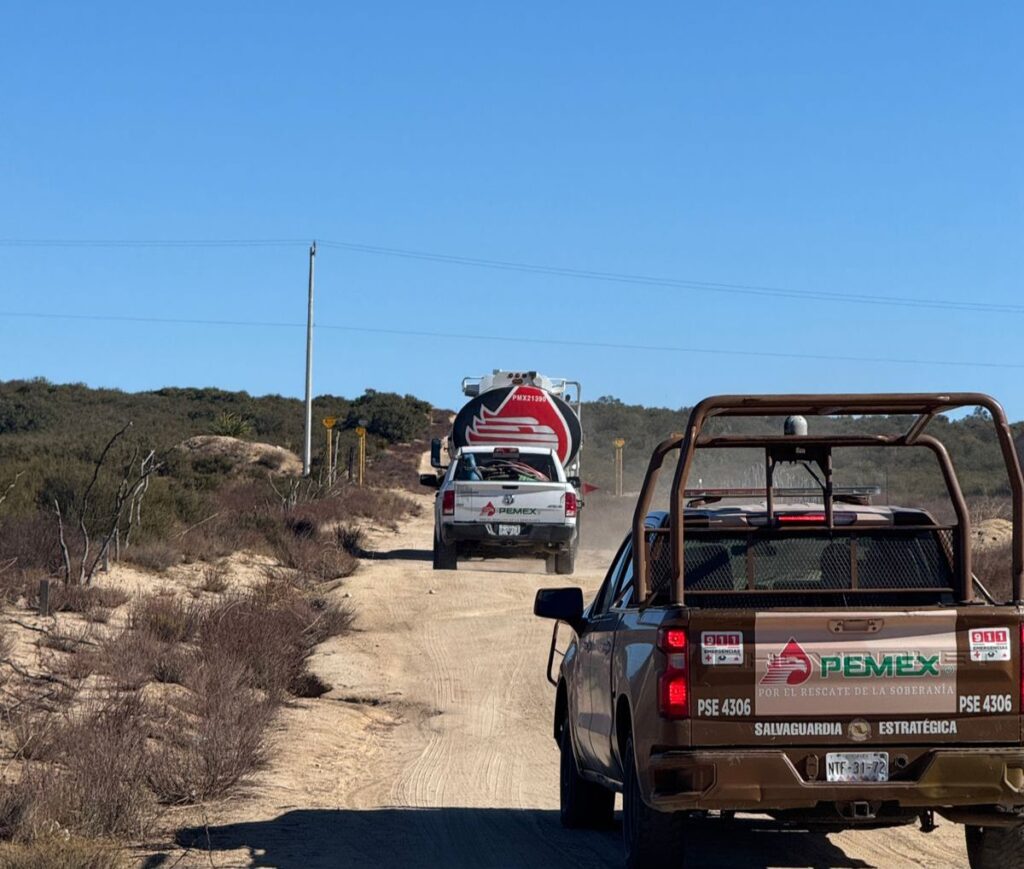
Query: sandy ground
(434, 748)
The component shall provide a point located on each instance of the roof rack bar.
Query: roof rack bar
(923, 405)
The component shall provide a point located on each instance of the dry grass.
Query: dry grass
(167, 619)
(60, 852)
(128, 659)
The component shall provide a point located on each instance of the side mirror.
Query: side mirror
(573, 481)
(435, 453)
(431, 481)
(562, 604)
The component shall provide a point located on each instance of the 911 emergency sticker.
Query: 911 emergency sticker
(721, 647)
(990, 644)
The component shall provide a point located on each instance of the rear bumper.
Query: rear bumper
(745, 780)
(486, 533)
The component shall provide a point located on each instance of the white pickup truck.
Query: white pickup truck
(495, 499)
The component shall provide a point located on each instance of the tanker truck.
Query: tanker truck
(508, 475)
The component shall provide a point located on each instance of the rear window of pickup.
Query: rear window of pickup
(806, 568)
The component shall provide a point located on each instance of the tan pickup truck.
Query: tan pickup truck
(805, 655)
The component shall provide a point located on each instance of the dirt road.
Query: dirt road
(434, 748)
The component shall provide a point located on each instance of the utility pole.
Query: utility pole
(308, 453)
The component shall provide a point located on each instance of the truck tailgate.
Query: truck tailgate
(885, 676)
(518, 503)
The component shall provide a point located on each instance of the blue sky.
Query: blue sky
(870, 148)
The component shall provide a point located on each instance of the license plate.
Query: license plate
(857, 766)
(509, 530)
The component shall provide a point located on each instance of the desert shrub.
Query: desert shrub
(993, 565)
(173, 664)
(231, 424)
(153, 555)
(393, 417)
(316, 558)
(30, 727)
(213, 742)
(66, 638)
(271, 631)
(350, 539)
(128, 659)
(214, 579)
(6, 644)
(81, 598)
(95, 782)
(167, 619)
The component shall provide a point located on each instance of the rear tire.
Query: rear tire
(583, 805)
(445, 554)
(650, 839)
(994, 847)
(565, 562)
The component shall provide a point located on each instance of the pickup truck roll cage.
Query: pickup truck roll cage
(781, 448)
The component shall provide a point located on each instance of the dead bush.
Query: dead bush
(94, 785)
(215, 740)
(272, 631)
(6, 645)
(81, 598)
(60, 852)
(128, 658)
(154, 555)
(31, 728)
(168, 619)
(351, 539)
(173, 664)
(214, 579)
(66, 638)
(315, 558)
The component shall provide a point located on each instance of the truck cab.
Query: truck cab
(824, 661)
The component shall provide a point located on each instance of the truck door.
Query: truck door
(597, 646)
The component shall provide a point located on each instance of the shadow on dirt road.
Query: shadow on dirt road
(498, 838)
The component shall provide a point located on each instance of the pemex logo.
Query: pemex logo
(519, 416)
(791, 666)
(488, 510)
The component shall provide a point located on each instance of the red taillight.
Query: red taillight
(815, 518)
(674, 688)
(673, 640)
(571, 504)
(448, 503)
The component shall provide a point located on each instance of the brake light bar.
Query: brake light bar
(673, 684)
(448, 503)
(814, 518)
(779, 492)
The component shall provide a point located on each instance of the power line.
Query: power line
(554, 271)
(520, 339)
(152, 242)
(716, 287)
